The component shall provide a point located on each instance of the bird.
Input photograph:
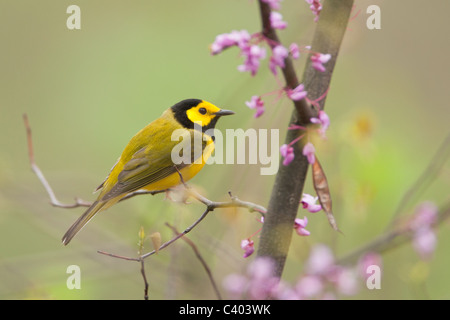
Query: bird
(147, 163)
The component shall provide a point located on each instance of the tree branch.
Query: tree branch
(391, 239)
(210, 206)
(303, 107)
(283, 205)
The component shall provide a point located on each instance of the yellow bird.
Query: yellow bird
(147, 161)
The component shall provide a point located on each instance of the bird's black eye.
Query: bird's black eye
(202, 110)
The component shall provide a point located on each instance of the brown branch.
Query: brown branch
(144, 277)
(200, 258)
(303, 107)
(391, 239)
(165, 244)
(396, 236)
(143, 192)
(210, 206)
(283, 205)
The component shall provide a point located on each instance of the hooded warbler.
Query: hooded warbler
(146, 162)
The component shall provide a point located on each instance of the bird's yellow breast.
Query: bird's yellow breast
(187, 172)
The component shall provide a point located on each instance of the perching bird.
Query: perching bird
(147, 162)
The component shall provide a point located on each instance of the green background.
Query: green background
(86, 92)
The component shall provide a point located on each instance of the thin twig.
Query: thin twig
(164, 245)
(210, 206)
(142, 192)
(200, 258)
(436, 164)
(53, 200)
(145, 279)
(144, 276)
(391, 239)
(235, 202)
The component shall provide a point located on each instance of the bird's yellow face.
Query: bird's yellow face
(192, 113)
(202, 113)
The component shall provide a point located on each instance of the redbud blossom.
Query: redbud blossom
(258, 283)
(276, 20)
(274, 4)
(248, 246)
(294, 51)
(288, 153)
(315, 7)
(318, 59)
(346, 280)
(253, 54)
(298, 93)
(310, 286)
(310, 203)
(424, 242)
(309, 151)
(235, 284)
(367, 260)
(257, 104)
(300, 225)
(424, 238)
(324, 122)
(225, 40)
(279, 53)
(425, 215)
(320, 261)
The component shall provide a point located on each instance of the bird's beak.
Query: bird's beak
(223, 112)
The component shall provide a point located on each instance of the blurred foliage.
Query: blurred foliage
(87, 91)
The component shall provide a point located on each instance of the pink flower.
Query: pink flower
(425, 215)
(346, 281)
(253, 54)
(367, 260)
(310, 286)
(318, 59)
(248, 246)
(294, 51)
(288, 153)
(300, 225)
(315, 7)
(279, 53)
(310, 203)
(274, 4)
(259, 282)
(276, 20)
(308, 152)
(298, 93)
(257, 104)
(320, 261)
(424, 238)
(235, 284)
(424, 242)
(226, 40)
(324, 122)
(262, 282)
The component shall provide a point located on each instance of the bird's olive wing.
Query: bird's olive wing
(150, 164)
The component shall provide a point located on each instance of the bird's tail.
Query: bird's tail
(81, 222)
